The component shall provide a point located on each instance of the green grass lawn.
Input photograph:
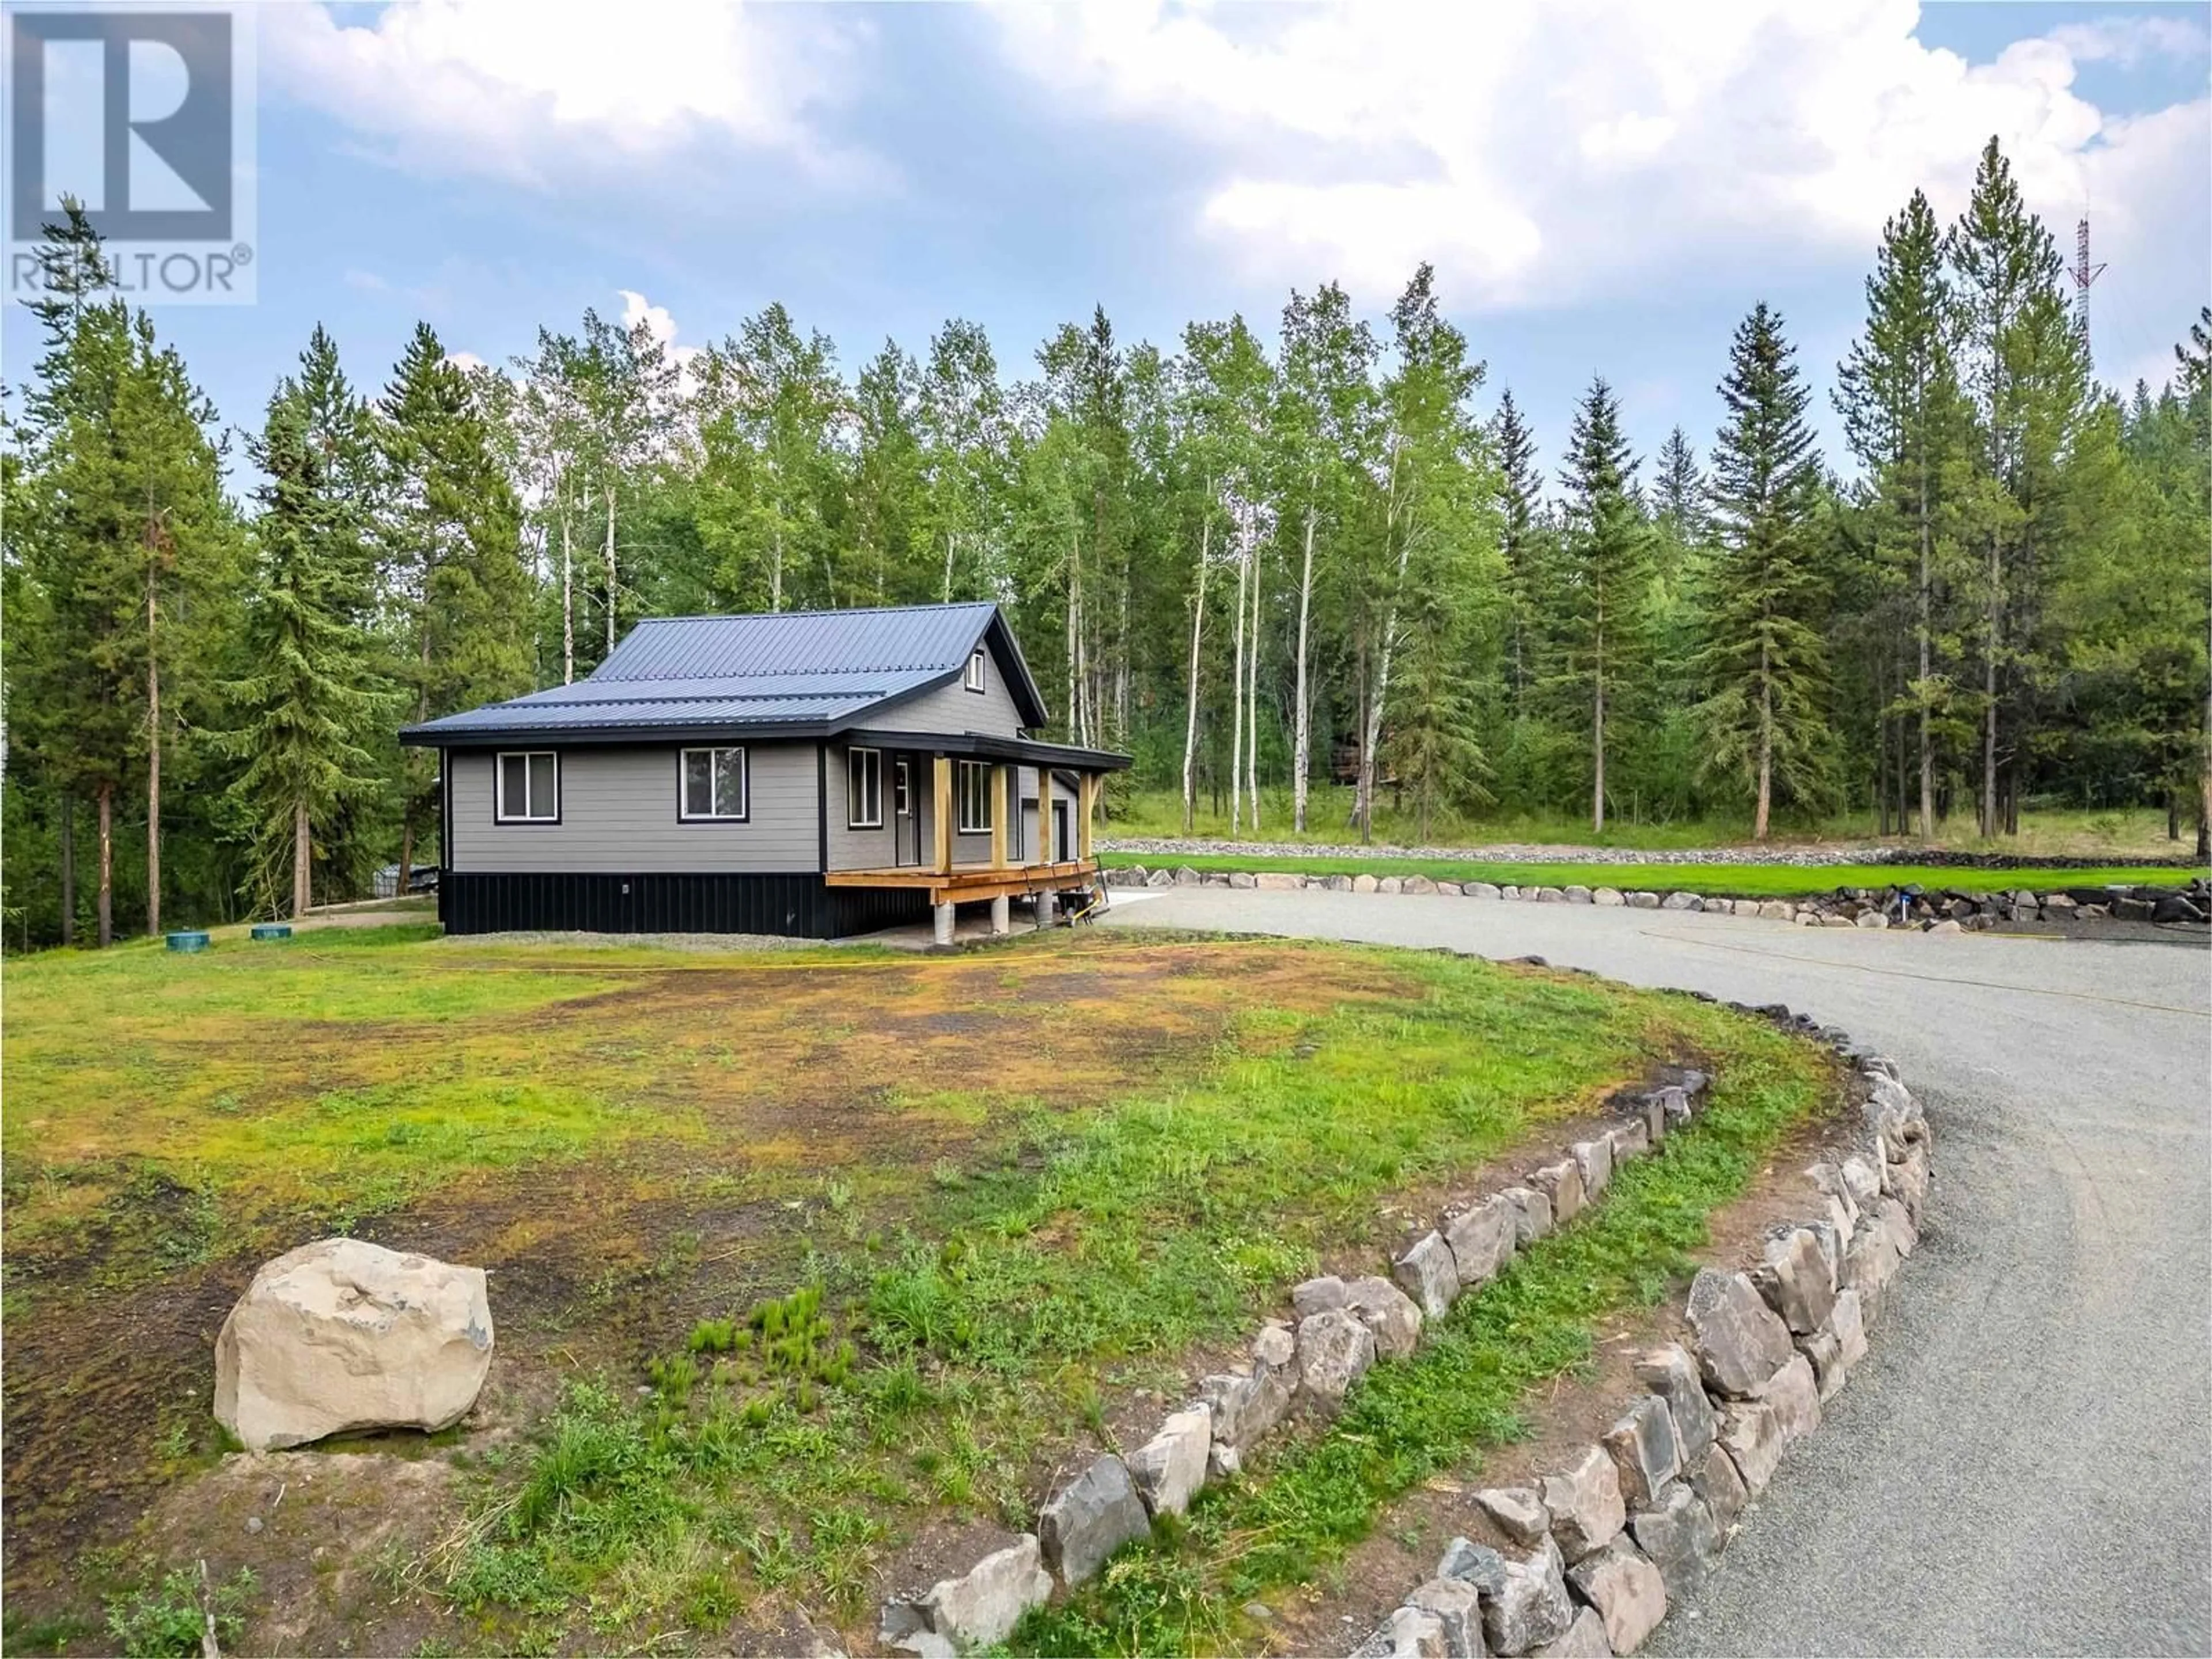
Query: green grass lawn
(2117, 834)
(1725, 880)
(880, 1237)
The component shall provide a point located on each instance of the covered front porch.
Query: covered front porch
(1027, 807)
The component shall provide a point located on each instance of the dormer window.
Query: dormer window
(974, 679)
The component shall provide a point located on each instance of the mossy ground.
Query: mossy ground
(1026, 1180)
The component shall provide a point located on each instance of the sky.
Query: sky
(1602, 188)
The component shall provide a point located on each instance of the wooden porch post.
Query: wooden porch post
(1046, 851)
(998, 817)
(1083, 828)
(941, 818)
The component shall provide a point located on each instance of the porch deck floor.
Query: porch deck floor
(970, 881)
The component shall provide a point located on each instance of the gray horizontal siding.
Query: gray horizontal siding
(954, 708)
(868, 849)
(618, 817)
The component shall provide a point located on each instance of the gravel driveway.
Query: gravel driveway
(2024, 1465)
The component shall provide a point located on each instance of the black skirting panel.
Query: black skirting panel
(799, 906)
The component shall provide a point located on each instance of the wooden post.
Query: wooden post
(1083, 828)
(941, 819)
(998, 817)
(1046, 851)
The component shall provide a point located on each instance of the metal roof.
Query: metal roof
(794, 672)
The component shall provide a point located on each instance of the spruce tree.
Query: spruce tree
(2028, 375)
(1681, 491)
(1521, 545)
(315, 695)
(131, 533)
(1605, 576)
(1897, 392)
(456, 582)
(1765, 662)
(63, 716)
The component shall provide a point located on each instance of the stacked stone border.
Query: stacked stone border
(1636, 1518)
(1635, 1522)
(1940, 912)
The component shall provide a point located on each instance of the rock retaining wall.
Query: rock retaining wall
(1944, 911)
(1302, 1363)
(1636, 1519)
(1633, 1524)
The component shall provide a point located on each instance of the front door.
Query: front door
(906, 823)
(1061, 843)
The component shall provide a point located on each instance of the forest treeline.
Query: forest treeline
(1249, 564)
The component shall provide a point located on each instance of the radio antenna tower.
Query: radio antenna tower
(2084, 274)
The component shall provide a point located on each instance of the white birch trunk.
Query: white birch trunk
(612, 586)
(567, 603)
(1252, 671)
(1237, 709)
(1373, 737)
(1302, 715)
(1190, 718)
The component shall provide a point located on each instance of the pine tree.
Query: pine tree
(1897, 392)
(1605, 570)
(1521, 544)
(315, 696)
(63, 716)
(132, 532)
(1765, 662)
(2028, 373)
(455, 574)
(1681, 491)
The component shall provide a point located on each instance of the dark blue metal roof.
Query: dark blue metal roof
(800, 672)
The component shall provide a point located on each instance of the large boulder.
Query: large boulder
(342, 1335)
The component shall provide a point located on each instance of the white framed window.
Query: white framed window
(711, 786)
(978, 666)
(527, 788)
(972, 789)
(902, 787)
(864, 788)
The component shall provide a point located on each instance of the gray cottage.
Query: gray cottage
(809, 773)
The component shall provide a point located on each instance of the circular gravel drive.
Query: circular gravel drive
(2025, 1464)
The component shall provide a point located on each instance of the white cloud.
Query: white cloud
(661, 326)
(2129, 41)
(1545, 154)
(536, 93)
